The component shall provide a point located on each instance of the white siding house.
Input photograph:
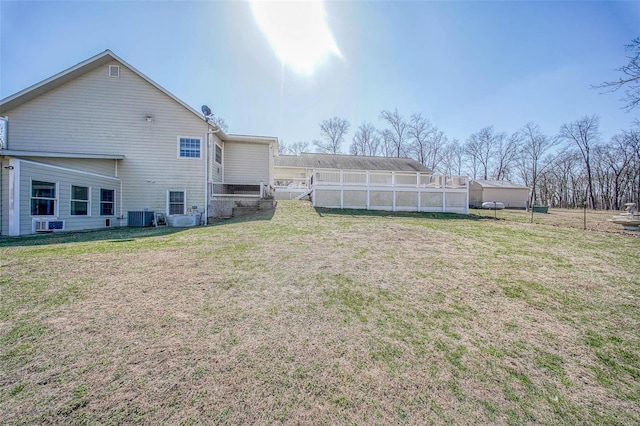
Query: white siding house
(102, 130)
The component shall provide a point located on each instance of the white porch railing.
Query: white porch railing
(236, 190)
(292, 183)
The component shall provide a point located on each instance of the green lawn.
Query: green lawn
(323, 317)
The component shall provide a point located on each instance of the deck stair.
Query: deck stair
(303, 195)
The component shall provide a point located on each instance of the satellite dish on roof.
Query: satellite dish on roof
(206, 110)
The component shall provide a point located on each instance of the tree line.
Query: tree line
(571, 168)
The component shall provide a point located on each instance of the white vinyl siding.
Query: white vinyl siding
(64, 179)
(100, 167)
(246, 163)
(95, 114)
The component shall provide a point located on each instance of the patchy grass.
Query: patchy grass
(323, 316)
(597, 220)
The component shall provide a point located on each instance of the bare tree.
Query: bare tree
(283, 148)
(299, 147)
(366, 141)
(427, 142)
(438, 143)
(630, 79)
(452, 158)
(584, 134)
(333, 132)
(395, 138)
(420, 130)
(632, 139)
(534, 145)
(293, 149)
(480, 149)
(506, 150)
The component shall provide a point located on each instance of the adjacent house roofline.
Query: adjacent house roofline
(77, 70)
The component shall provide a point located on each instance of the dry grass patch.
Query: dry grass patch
(597, 220)
(320, 316)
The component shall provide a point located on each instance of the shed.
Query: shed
(512, 195)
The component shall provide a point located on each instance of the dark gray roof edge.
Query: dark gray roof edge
(350, 162)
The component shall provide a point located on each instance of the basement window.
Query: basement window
(176, 202)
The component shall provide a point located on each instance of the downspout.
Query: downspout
(121, 215)
(207, 149)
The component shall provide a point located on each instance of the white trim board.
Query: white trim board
(66, 169)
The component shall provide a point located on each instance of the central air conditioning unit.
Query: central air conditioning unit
(139, 218)
(48, 225)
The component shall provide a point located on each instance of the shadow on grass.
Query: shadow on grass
(322, 212)
(115, 235)
(260, 215)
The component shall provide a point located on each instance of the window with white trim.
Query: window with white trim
(43, 198)
(218, 154)
(107, 202)
(189, 148)
(80, 200)
(176, 202)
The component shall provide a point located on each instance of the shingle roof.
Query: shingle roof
(349, 162)
(488, 183)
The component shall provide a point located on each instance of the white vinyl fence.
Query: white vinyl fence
(393, 191)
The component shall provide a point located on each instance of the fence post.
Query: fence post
(341, 189)
(368, 190)
(444, 194)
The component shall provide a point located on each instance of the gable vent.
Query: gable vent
(114, 71)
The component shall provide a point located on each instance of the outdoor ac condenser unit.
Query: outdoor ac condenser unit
(139, 218)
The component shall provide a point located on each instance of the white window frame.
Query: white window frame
(199, 148)
(184, 198)
(117, 68)
(56, 203)
(112, 202)
(217, 145)
(72, 200)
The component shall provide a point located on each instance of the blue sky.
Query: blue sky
(464, 65)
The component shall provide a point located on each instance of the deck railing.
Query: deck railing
(395, 179)
(395, 191)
